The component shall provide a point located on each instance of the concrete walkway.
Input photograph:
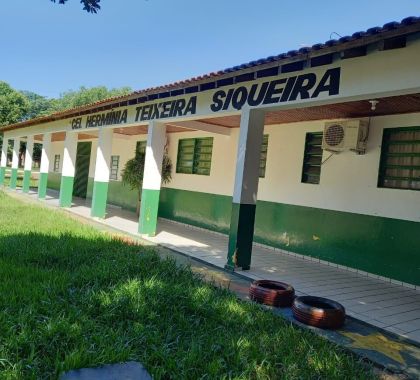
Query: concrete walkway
(376, 301)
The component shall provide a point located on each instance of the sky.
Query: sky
(49, 48)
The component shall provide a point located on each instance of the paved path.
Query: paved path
(373, 300)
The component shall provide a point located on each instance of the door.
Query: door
(81, 176)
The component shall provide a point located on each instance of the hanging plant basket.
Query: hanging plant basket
(319, 312)
(272, 293)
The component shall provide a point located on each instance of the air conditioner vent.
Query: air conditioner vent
(334, 134)
(345, 135)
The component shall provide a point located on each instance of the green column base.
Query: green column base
(99, 198)
(42, 185)
(13, 178)
(26, 181)
(2, 175)
(66, 191)
(241, 235)
(149, 212)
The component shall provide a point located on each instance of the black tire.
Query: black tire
(272, 293)
(319, 312)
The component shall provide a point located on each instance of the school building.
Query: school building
(315, 151)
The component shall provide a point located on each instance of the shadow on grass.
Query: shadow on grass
(71, 301)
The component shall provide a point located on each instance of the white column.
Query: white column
(102, 171)
(241, 233)
(152, 178)
(28, 163)
(3, 159)
(15, 163)
(45, 165)
(69, 167)
(15, 157)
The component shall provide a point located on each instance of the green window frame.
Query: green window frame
(141, 146)
(312, 159)
(194, 156)
(115, 163)
(56, 163)
(400, 159)
(263, 157)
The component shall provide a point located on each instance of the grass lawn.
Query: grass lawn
(19, 183)
(72, 296)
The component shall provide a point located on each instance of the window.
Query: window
(194, 156)
(400, 159)
(115, 161)
(141, 146)
(57, 163)
(263, 157)
(312, 159)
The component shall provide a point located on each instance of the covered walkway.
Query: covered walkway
(371, 299)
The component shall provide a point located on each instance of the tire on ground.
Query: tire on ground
(319, 312)
(273, 293)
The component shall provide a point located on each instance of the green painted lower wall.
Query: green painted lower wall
(66, 191)
(199, 209)
(26, 181)
(2, 175)
(13, 178)
(118, 195)
(383, 246)
(100, 191)
(54, 181)
(149, 212)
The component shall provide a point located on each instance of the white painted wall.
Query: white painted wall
(348, 181)
(57, 147)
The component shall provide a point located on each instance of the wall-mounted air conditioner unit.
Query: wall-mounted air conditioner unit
(346, 135)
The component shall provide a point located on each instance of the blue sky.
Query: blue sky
(49, 48)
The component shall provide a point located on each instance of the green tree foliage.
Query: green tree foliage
(37, 105)
(13, 105)
(82, 96)
(133, 172)
(91, 6)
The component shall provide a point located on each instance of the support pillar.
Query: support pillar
(245, 190)
(102, 170)
(3, 160)
(28, 164)
(152, 179)
(15, 163)
(45, 166)
(69, 165)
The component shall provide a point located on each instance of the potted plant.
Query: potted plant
(132, 174)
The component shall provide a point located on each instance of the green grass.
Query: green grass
(71, 297)
(33, 183)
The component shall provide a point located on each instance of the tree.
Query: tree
(13, 105)
(71, 99)
(132, 174)
(91, 6)
(37, 105)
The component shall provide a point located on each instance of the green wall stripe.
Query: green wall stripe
(66, 191)
(199, 209)
(26, 181)
(2, 175)
(13, 178)
(149, 212)
(42, 185)
(240, 236)
(99, 199)
(54, 181)
(384, 246)
(118, 194)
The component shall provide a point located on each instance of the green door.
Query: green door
(81, 176)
